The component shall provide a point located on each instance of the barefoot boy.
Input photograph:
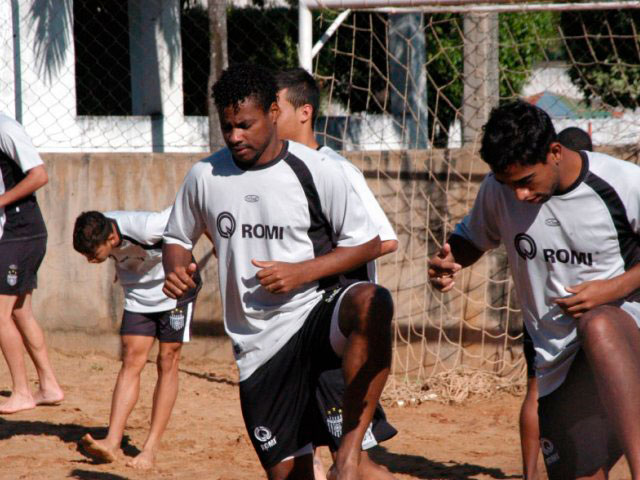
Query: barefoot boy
(134, 241)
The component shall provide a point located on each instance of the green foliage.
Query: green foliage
(524, 38)
(267, 36)
(605, 63)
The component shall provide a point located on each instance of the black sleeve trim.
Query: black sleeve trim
(628, 240)
(320, 231)
(155, 246)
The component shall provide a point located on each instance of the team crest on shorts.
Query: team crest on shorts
(549, 451)
(12, 275)
(334, 421)
(176, 319)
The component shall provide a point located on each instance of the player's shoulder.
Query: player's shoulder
(613, 169)
(318, 163)
(130, 221)
(10, 128)
(302, 152)
(344, 163)
(218, 163)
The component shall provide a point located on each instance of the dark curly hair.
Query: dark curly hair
(516, 133)
(90, 231)
(241, 81)
(301, 89)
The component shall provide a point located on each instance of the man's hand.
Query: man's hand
(280, 277)
(442, 269)
(180, 280)
(589, 295)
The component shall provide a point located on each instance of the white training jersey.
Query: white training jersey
(22, 219)
(590, 232)
(296, 207)
(138, 259)
(376, 214)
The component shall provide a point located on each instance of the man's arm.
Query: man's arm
(388, 246)
(594, 293)
(454, 255)
(178, 270)
(283, 277)
(35, 178)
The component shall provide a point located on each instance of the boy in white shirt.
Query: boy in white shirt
(134, 241)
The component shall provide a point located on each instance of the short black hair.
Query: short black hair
(242, 81)
(302, 89)
(517, 133)
(576, 139)
(91, 230)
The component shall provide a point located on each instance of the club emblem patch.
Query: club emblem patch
(12, 275)
(334, 421)
(176, 318)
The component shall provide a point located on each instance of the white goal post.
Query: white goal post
(306, 49)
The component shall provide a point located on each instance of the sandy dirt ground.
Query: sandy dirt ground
(206, 437)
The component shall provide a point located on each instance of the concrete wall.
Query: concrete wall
(423, 192)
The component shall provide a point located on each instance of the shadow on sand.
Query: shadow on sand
(421, 467)
(67, 432)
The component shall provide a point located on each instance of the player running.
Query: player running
(570, 224)
(298, 101)
(284, 222)
(23, 242)
(134, 241)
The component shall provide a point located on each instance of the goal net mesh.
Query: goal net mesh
(401, 91)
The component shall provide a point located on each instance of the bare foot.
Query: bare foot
(98, 449)
(145, 460)
(16, 403)
(49, 397)
(347, 472)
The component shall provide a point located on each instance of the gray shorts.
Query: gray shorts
(168, 326)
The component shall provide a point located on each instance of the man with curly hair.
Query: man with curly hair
(285, 225)
(570, 222)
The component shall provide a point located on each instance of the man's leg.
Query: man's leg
(298, 468)
(49, 392)
(365, 319)
(530, 431)
(611, 342)
(125, 395)
(164, 397)
(13, 351)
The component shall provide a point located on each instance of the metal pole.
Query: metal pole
(305, 36)
(330, 31)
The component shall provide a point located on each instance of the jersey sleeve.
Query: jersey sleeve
(373, 208)
(343, 207)
(16, 144)
(185, 224)
(480, 226)
(154, 226)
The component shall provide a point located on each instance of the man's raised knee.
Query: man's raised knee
(366, 305)
(597, 323)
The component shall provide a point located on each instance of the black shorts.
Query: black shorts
(19, 264)
(529, 353)
(329, 396)
(168, 326)
(278, 400)
(576, 437)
